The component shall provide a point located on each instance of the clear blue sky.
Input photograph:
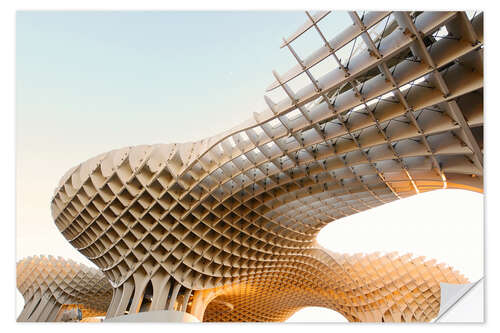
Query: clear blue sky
(94, 68)
(89, 82)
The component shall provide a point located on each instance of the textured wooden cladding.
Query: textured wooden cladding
(169, 224)
(366, 288)
(50, 286)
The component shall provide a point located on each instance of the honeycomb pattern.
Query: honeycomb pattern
(49, 285)
(400, 116)
(368, 288)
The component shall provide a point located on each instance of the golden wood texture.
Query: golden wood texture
(169, 224)
(366, 288)
(52, 285)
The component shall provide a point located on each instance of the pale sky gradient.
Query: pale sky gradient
(90, 82)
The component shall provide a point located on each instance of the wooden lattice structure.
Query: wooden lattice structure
(51, 286)
(236, 215)
(366, 288)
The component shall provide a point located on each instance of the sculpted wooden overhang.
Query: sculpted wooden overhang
(171, 225)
